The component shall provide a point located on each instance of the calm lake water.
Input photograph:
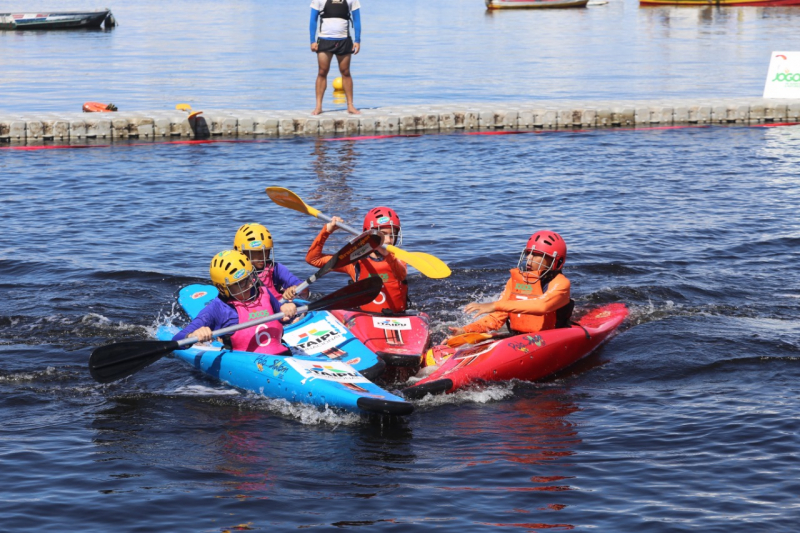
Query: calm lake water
(686, 420)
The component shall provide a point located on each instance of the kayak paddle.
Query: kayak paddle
(357, 249)
(121, 359)
(431, 266)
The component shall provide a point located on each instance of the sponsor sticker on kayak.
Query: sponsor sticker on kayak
(314, 338)
(391, 323)
(330, 371)
(198, 294)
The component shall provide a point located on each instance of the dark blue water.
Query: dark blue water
(687, 420)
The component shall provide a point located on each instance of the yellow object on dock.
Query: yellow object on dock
(337, 84)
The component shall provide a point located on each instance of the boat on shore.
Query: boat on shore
(534, 4)
(527, 357)
(731, 3)
(57, 20)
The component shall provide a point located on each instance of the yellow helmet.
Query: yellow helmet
(229, 268)
(253, 237)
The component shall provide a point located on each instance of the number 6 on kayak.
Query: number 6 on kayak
(429, 265)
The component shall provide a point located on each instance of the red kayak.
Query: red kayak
(527, 357)
(399, 339)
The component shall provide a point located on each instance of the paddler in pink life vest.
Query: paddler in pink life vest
(241, 298)
(536, 298)
(255, 241)
(394, 295)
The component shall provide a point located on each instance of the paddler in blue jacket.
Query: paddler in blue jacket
(255, 241)
(334, 39)
(241, 298)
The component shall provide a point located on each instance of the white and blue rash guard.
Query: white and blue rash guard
(335, 28)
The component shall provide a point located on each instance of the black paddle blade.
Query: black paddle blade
(354, 295)
(356, 250)
(119, 360)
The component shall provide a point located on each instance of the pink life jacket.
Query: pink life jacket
(264, 338)
(266, 278)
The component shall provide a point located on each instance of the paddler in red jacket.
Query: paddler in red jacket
(394, 295)
(536, 298)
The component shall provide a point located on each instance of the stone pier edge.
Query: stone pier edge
(551, 114)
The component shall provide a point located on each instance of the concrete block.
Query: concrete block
(245, 124)
(756, 113)
(485, 119)
(338, 125)
(34, 129)
(587, 118)
(311, 126)
(472, 120)
(793, 111)
(327, 126)
(623, 116)
(504, 119)
(430, 121)
(643, 116)
(298, 125)
(145, 127)
(565, 118)
(119, 128)
(719, 113)
(13, 129)
(774, 112)
(351, 125)
(525, 119)
(407, 122)
(366, 124)
(99, 128)
(266, 125)
(700, 114)
(545, 118)
(447, 120)
(740, 113)
(680, 115)
(286, 126)
(663, 115)
(161, 125)
(603, 117)
(388, 123)
(54, 129)
(458, 119)
(77, 129)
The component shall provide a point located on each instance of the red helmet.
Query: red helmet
(547, 243)
(381, 217)
(384, 217)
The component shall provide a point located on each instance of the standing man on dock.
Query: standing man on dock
(334, 39)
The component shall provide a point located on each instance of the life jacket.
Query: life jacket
(266, 279)
(522, 290)
(264, 338)
(335, 9)
(394, 293)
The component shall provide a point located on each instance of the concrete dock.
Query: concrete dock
(36, 128)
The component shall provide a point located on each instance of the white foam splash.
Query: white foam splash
(486, 394)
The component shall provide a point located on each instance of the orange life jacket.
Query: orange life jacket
(394, 294)
(522, 290)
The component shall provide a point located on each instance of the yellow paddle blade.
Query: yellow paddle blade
(467, 338)
(286, 198)
(183, 107)
(430, 265)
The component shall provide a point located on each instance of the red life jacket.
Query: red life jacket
(394, 294)
(264, 338)
(522, 290)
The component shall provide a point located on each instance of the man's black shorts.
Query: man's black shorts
(339, 47)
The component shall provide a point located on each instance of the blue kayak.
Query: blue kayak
(308, 376)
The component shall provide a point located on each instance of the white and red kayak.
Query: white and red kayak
(533, 4)
(526, 357)
(400, 339)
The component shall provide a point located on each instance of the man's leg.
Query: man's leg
(347, 82)
(324, 60)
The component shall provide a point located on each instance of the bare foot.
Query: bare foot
(317, 111)
(353, 111)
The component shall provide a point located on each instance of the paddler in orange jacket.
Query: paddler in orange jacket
(394, 295)
(535, 298)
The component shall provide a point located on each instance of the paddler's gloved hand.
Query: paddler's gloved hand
(289, 310)
(290, 293)
(331, 226)
(203, 334)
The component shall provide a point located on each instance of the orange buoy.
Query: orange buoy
(97, 107)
